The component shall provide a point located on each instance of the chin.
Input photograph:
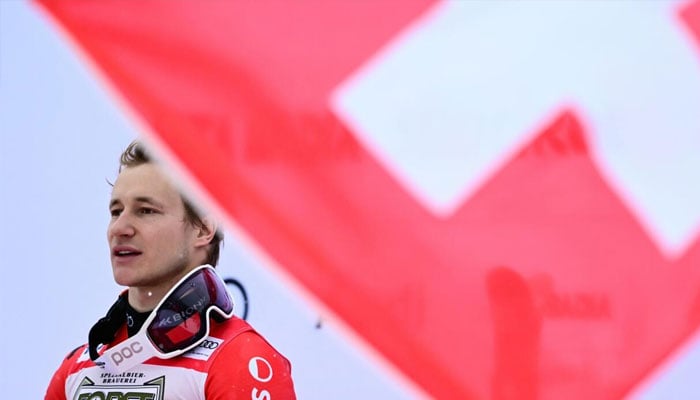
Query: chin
(124, 277)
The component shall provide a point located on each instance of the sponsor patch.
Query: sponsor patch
(205, 349)
(260, 369)
(151, 390)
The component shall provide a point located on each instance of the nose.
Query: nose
(121, 226)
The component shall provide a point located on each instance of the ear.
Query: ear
(205, 232)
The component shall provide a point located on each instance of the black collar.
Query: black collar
(106, 328)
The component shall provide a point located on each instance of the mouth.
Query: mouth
(125, 252)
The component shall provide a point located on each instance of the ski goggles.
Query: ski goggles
(179, 323)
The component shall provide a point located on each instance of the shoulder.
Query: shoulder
(57, 385)
(76, 357)
(250, 366)
(246, 348)
(240, 343)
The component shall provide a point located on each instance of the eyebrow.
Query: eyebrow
(138, 199)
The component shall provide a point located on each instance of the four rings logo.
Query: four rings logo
(205, 349)
(209, 344)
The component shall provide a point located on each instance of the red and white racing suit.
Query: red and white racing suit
(234, 362)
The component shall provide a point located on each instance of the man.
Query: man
(157, 242)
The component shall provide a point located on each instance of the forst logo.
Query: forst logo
(151, 390)
(116, 396)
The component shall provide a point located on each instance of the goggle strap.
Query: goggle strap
(126, 354)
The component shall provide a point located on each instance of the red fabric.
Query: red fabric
(542, 285)
(230, 377)
(241, 366)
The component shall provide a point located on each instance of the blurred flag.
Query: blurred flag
(501, 198)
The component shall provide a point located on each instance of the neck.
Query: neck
(146, 298)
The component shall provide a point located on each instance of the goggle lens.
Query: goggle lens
(182, 318)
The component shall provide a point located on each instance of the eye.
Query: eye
(147, 210)
(115, 212)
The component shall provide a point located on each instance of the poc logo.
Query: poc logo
(127, 352)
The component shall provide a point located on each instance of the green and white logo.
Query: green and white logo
(151, 390)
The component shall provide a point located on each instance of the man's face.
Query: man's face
(150, 240)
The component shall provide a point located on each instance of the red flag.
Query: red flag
(542, 284)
